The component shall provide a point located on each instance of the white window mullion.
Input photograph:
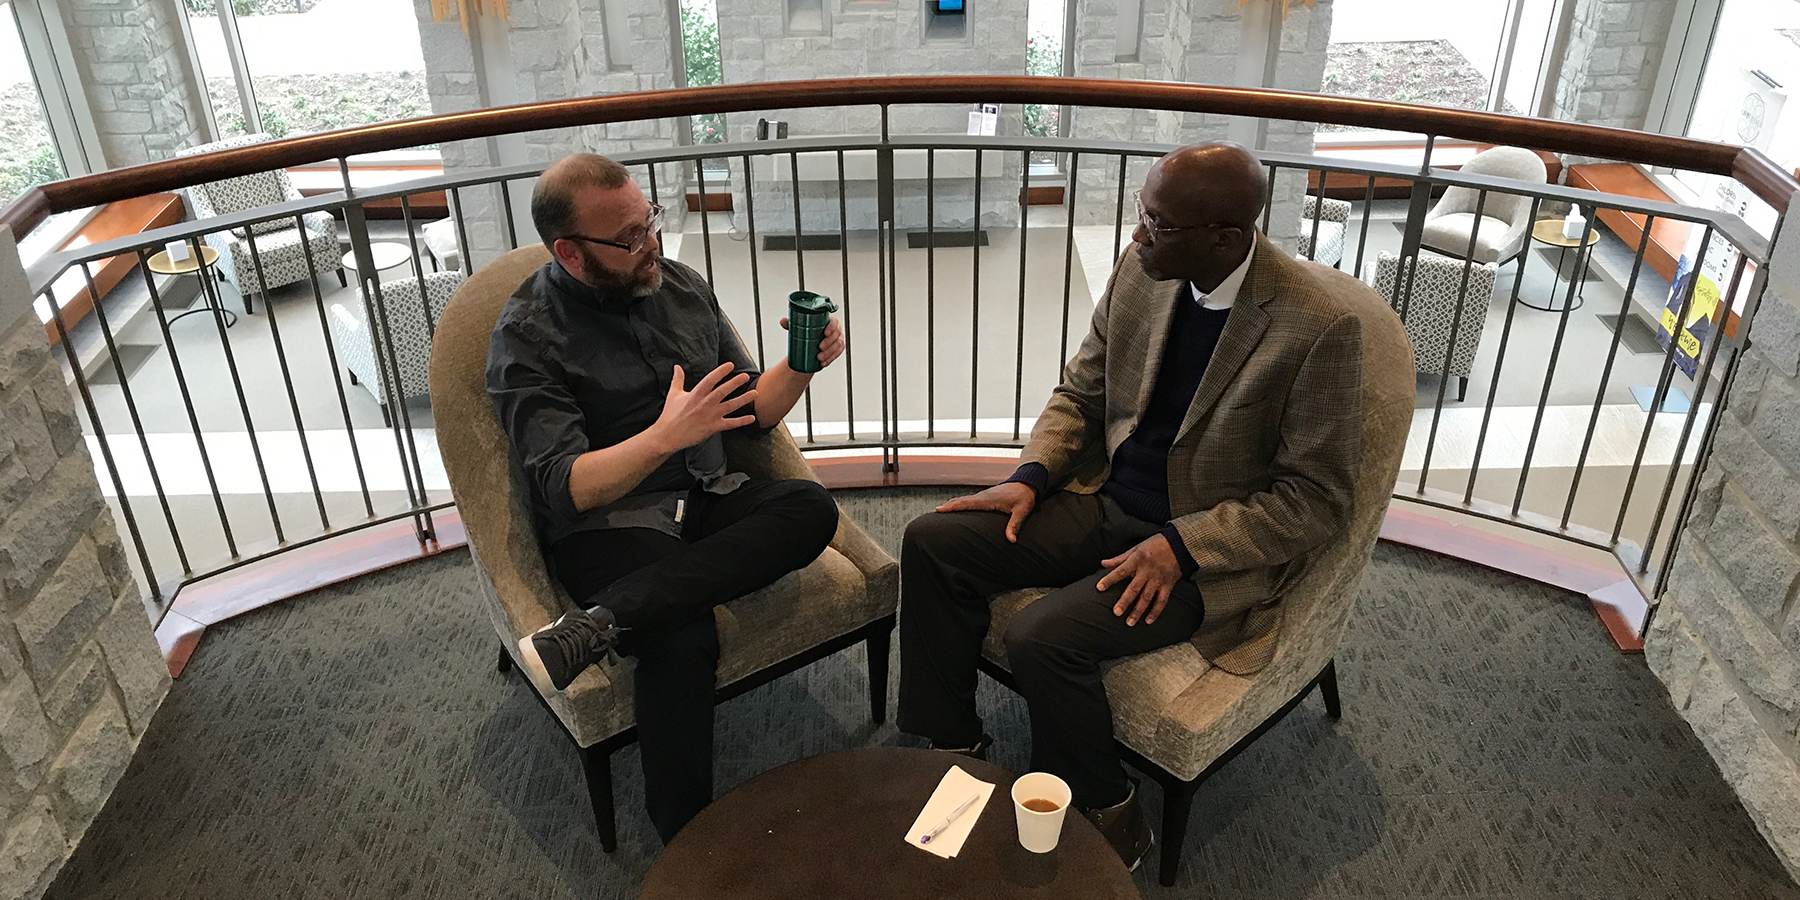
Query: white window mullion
(59, 83)
(240, 68)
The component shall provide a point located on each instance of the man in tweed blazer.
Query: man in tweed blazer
(1203, 441)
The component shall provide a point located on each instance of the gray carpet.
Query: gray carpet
(358, 743)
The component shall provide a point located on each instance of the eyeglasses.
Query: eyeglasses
(652, 224)
(1152, 229)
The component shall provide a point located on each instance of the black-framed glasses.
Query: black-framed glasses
(1152, 229)
(652, 224)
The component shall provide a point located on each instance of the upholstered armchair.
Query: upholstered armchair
(846, 596)
(1331, 217)
(1176, 717)
(280, 246)
(1444, 315)
(411, 316)
(1505, 218)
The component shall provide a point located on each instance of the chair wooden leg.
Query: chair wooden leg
(505, 665)
(342, 281)
(877, 645)
(1328, 690)
(1462, 389)
(598, 763)
(1178, 802)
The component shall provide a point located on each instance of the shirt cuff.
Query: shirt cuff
(1181, 552)
(1032, 475)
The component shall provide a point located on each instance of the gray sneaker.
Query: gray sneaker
(554, 654)
(1125, 828)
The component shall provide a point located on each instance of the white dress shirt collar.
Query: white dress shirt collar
(1226, 293)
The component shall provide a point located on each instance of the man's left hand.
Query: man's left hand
(831, 343)
(1152, 570)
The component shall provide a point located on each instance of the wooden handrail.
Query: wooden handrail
(1756, 171)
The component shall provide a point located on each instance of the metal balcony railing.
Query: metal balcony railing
(961, 299)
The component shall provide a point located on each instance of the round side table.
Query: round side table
(162, 264)
(386, 255)
(834, 826)
(1549, 231)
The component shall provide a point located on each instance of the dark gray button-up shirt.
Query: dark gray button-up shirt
(573, 369)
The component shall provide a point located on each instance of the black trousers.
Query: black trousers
(664, 589)
(951, 563)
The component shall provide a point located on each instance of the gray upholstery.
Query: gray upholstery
(1332, 218)
(1431, 310)
(280, 246)
(1505, 218)
(1181, 713)
(410, 318)
(440, 240)
(851, 585)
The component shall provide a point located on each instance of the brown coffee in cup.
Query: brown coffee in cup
(1039, 804)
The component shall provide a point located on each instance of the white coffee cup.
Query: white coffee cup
(1039, 830)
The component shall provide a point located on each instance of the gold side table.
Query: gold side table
(162, 264)
(1549, 231)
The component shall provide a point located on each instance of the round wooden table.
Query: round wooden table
(835, 826)
(1549, 231)
(163, 264)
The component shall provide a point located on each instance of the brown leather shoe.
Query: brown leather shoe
(979, 751)
(1125, 828)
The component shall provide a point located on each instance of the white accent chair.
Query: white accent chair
(362, 350)
(440, 240)
(1505, 218)
(280, 247)
(1331, 218)
(1439, 310)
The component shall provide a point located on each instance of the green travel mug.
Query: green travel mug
(808, 314)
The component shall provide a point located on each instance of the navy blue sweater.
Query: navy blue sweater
(1139, 481)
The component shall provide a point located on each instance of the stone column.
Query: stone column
(145, 97)
(1726, 637)
(80, 673)
(1615, 48)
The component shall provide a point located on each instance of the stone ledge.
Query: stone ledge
(1762, 775)
(90, 764)
(31, 854)
(1735, 636)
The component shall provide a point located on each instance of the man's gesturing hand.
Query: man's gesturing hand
(689, 417)
(1153, 570)
(1012, 498)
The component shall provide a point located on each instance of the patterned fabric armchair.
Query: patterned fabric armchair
(281, 248)
(1332, 217)
(411, 318)
(1176, 717)
(1439, 309)
(847, 596)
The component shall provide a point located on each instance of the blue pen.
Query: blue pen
(949, 819)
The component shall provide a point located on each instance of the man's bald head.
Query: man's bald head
(553, 206)
(1200, 206)
(1220, 181)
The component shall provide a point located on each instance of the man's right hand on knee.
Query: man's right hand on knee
(1013, 498)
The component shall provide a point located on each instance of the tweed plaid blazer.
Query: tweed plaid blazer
(1262, 468)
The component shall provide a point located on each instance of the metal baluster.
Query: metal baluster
(237, 384)
(106, 454)
(287, 375)
(1362, 240)
(462, 230)
(1687, 425)
(412, 241)
(1662, 384)
(705, 225)
(755, 276)
(337, 380)
(1069, 192)
(1269, 201)
(800, 272)
(1487, 412)
(1462, 300)
(512, 228)
(1704, 453)
(1317, 217)
(930, 293)
(1019, 357)
(844, 256)
(187, 398)
(137, 422)
(1562, 326)
(1119, 211)
(975, 305)
(399, 417)
(1612, 354)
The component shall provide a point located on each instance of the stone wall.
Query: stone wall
(80, 673)
(855, 38)
(1726, 637)
(143, 93)
(548, 50)
(1615, 48)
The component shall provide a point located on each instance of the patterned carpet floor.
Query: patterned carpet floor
(358, 743)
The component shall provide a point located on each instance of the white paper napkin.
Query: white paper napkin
(956, 787)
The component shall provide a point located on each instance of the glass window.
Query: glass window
(700, 47)
(28, 156)
(215, 67)
(1418, 51)
(1751, 72)
(320, 65)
